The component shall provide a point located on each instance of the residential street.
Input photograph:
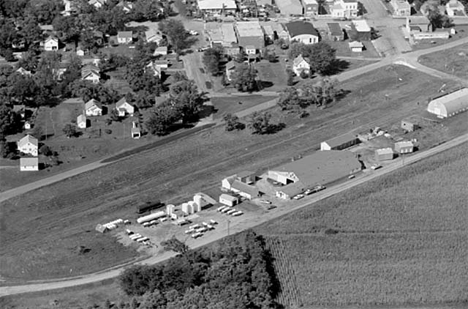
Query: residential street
(240, 225)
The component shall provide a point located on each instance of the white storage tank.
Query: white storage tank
(152, 216)
(194, 206)
(170, 209)
(185, 208)
(198, 199)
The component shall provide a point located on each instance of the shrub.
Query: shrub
(108, 131)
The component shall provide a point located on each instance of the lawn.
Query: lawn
(272, 75)
(453, 61)
(62, 214)
(343, 50)
(401, 239)
(231, 105)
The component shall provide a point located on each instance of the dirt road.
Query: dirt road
(241, 224)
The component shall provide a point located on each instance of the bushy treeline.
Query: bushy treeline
(234, 275)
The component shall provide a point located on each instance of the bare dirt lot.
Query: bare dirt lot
(58, 217)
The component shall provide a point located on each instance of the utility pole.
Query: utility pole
(228, 222)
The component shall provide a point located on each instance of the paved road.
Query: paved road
(242, 224)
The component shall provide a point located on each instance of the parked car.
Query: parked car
(376, 166)
(213, 221)
(193, 32)
(298, 197)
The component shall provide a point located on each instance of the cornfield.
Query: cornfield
(289, 295)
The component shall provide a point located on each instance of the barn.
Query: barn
(384, 154)
(404, 147)
(450, 104)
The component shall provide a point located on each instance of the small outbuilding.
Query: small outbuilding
(160, 51)
(335, 33)
(136, 131)
(449, 104)
(384, 154)
(228, 200)
(340, 142)
(356, 46)
(102, 228)
(29, 164)
(81, 121)
(404, 147)
(408, 126)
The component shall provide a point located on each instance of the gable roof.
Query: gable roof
(301, 27)
(29, 161)
(28, 139)
(322, 167)
(298, 60)
(228, 197)
(92, 103)
(253, 191)
(354, 44)
(81, 118)
(340, 140)
(51, 38)
(125, 34)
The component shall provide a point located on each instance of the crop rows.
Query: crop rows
(288, 295)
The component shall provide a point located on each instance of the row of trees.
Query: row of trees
(233, 275)
(318, 93)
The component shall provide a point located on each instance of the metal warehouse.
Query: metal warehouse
(340, 142)
(450, 104)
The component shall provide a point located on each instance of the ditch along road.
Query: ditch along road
(236, 226)
(410, 59)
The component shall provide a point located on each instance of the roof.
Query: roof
(340, 140)
(28, 139)
(125, 34)
(46, 27)
(309, 1)
(322, 167)
(402, 4)
(229, 35)
(354, 44)
(97, 33)
(301, 27)
(81, 118)
(216, 4)
(453, 102)
(51, 38)
(253, 191)
(228, 197)
(293, 189)
(404, 144)
(335, 29)
(29, 161)
(120, 102)
(249, 28)
(298, 60)
(384, 151)
(361, 26)
(92, 103)
(268, 30)
(136, 130)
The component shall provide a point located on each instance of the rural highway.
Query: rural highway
(241, 224)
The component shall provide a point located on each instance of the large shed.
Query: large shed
(450, 104)
(384, 154)
(340, 142)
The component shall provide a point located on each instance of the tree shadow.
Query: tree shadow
(206, 111)
(265, 84)
(342, 93)
(275, 128)
(337, 66)
(140, 28)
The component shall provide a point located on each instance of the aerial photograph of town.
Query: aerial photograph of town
(234, 154)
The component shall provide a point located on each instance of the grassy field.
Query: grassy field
(453, 61)
(402, 239)
(230, 105)
(73, 207)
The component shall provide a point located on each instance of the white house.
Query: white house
(124, 37)
(301, 31)
(51, 44)
(93, 108)
(401, 7)
(236, 184)
(29, 164)
(344, 9)
(153, 36)
(158, 66)
(454, 7)
(24, 72)
(125, 6)
(230, 69)
(81, 121)
(123, 107)
(28, 144)
(300, 65)
(161, 50)
(91, 73)
(27, 125)
(356, 46)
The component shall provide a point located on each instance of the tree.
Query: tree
(289, 99)
(8, 150)
(173, 244)
(233, 123)
(186, 100)
(178, 36)
(114, 115)
(44, 11)
(69, 130)
(291, 74)
(69, 28)
(38, 132)
(10, 122)
(45, 150)
(211, 60)
(260, 122)
(321, 55)
(245, 77)
(160, 120)
(240, 57)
